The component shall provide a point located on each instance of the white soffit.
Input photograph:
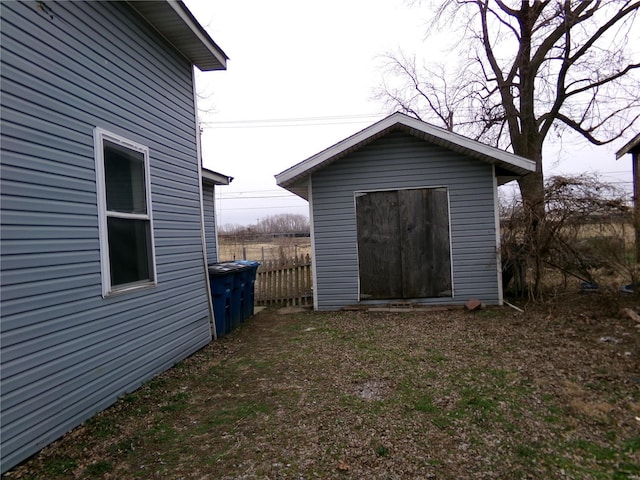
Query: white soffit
(173, 20)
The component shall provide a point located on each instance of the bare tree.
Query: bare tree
(531, 67)
(414, 89)
(283, 223)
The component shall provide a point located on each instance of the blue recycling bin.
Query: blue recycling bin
(238, 293)
(221, 284)
(249, 286)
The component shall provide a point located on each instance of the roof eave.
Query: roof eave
(633, 146)
(506, 161)
(173, 20)
(215, 178)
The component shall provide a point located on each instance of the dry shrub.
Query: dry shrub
(586, 236)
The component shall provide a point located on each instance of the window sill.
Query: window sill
(129, 288)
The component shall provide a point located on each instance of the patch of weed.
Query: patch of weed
(626, 471)
(554, 414)
(182, 365)
(425, 404)
(442, 421)
(99, 468)
(124, 446)
(59, 465)
(526, 452)
(500, 376)
(101, 426)
(156, 385)
(488, 313)
(472, 398)
(631, 445)
(163, 433)
(598, 452)
(436, 356)
(611, 436)
(176, 402)
(226, 416)
(382, 451)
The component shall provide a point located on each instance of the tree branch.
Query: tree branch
(586, 133)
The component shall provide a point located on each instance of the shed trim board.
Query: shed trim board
(210, 180)
(312, 237)
(498, 239)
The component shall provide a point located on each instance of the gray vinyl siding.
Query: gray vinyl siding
(66, 351)
(210, 222)
(396, 161)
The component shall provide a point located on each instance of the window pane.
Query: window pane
(129, 250)
(124, 178)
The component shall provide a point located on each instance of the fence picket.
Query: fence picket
(285, 281)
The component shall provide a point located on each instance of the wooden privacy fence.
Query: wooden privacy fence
(284, 281)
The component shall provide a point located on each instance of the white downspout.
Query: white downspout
(200, 189)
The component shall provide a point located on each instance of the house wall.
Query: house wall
(399, 160)
(210, 222)
(67, 352)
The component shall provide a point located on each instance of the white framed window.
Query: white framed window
(127, 254)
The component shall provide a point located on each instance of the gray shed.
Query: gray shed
(210, 180)
(404, 211)
(104, 281)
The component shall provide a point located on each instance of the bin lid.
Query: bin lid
(249, 263)
(225, 268)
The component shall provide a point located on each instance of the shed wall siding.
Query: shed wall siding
(210, 222)
(66, 351)
(398, 161)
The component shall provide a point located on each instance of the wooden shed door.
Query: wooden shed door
(403, 244)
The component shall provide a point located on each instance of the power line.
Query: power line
(260, 208)
(292, 122)
(254, 198)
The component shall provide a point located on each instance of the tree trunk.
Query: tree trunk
(533, 202)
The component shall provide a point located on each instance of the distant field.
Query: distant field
(278, 248)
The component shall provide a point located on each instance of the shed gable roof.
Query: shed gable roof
(632, 146)
(173, 20)
(510, 165)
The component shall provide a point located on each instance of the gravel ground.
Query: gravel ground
(553, 392)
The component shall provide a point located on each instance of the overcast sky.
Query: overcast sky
(300, 78)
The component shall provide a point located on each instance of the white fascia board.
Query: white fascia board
(632, 144)
(470, 146)
(173, 21)
(215, 177)
(311, 163)
(429, 132)
(198, 31)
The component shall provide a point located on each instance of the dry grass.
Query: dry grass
(280, 248)
(551, 393)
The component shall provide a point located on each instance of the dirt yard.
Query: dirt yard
(552, 393)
